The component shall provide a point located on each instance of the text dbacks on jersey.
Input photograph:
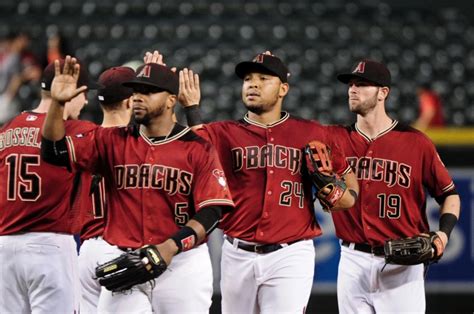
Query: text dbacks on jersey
(377, 169)
(153, 176)
(269, 155)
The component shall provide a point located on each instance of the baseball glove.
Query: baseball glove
(131, 268)
(330, 187)
(424, 248)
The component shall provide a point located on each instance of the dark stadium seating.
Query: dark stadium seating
(316, 39)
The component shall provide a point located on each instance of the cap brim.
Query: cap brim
(244, 68)
(134, 83)
(345, 78)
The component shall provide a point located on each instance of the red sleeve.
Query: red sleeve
(435, 175)
(206, 132)
(83, 150)
(74, 127)
(210, 184)
(339, 162)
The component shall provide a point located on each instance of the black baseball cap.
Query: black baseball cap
(263, 63)
(155, 75)
(48, 76)
(112, 90)
(369, 70)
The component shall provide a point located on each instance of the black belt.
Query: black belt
(259, 248)
(367, 248)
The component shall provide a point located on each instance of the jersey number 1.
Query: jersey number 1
(22, 182)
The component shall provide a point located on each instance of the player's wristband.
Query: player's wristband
(193, 115)
(185, 239)
(447, 221)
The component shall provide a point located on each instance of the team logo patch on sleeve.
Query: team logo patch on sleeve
(219, 174)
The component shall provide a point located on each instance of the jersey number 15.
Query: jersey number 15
(22, 182)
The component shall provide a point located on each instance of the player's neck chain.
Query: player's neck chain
(155, 139)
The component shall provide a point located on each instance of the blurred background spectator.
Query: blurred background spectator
(18, 66)
(430, 109)
(57, 47)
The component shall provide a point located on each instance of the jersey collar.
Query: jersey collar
(284, 116)
(382, 133)
(177, 132)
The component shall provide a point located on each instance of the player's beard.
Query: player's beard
(362, 108)
(261, 107)
(147, 117)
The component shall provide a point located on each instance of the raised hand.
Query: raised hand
(64, 85)
(189, 89)
(155, 57)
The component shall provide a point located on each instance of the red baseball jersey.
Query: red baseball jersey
(153, 186)
(393, 171)
(93, 206)
(34, 195)
(263, 166)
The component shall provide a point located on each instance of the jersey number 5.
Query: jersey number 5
(22, 182)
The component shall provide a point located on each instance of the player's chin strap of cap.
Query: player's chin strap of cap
(55, 152)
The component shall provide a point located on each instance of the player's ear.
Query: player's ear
(171, 101)
(383, 93)
(129, 102)
(284, 88)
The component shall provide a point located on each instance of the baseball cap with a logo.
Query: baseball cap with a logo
(263, 63)
(369, 70)
(156, 77)
(48, 76)
(112, 90)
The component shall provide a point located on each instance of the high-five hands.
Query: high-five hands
(64, 85)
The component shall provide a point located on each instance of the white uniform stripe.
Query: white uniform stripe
(72, 152)
(215, 202)
(348, 170)
(448, 187)
(166, 140)
(285, 117)
(393, 125)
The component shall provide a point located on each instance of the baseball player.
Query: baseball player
(38, 269)
(395, 165)
(116, 103)
(268, 254)
(165, 188)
